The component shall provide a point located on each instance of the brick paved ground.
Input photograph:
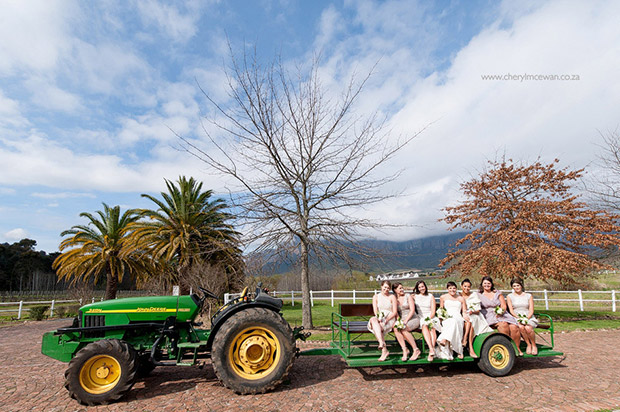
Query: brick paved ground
(588, 379)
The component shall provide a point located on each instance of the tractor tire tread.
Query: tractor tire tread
(120, 350)
(218, 358)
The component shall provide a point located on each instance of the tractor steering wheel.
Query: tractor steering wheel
(207, 294)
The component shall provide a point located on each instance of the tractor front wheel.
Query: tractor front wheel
(253, 351)
(101, 372)
(497, 356)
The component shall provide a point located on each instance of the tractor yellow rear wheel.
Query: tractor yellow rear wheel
(253, 351)
(101, 372)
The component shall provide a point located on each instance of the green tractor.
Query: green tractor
(112, 343)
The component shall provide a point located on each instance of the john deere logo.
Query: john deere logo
(151, 310)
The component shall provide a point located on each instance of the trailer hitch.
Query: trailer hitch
(298, 334)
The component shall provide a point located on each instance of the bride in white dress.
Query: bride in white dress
(451, 336)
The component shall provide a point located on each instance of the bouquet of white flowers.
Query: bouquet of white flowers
(473, 304)
(400, 325)
(498, 310)
(523, 319)
(442, 314)
(473, 307)
(428, 322)
(380, 315)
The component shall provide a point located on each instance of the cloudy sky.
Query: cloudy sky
(91, 92)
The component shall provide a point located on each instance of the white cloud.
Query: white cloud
(169, 19)
(37, 160)
(33, 34)
(61, 195)
(45, 94)
(475, 119)
(16, 234)
(10, 114)
(7, 191)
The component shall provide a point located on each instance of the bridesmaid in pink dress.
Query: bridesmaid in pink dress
(504, 323)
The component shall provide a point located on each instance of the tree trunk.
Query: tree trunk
(306, 317)
(110, 287)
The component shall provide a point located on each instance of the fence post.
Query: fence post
(311, 299)
(353, 296)
(292, 298)
(546, 300)
(332, 298)
(613, 300)
(19, 312)
(226, 298)
(52, 309)
(80, 301)
(93, 300)
(580, 300)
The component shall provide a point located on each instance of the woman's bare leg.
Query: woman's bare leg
(532, 335)
(377, 330)
(526, 338)
(428, 337)
(471, 336)
(409, 338)
(516, 336)
(401, 341)
(466, 332)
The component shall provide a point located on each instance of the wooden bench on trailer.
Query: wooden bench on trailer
(346, 331)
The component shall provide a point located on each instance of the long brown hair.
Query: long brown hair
(417, 290)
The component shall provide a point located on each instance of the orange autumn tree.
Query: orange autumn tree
(525, 221)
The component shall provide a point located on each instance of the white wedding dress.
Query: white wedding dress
(478, 322)
(451, 330)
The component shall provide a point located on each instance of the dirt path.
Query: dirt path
(587, 378)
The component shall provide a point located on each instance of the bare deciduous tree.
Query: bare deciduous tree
(605, 185)
(304, 161)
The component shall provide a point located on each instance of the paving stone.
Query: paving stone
(585, 379)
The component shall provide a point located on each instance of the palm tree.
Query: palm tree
(100, 247)
(187, 230)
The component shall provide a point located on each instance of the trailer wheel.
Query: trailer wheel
(101, 372)
(497, 356)
(253, 351)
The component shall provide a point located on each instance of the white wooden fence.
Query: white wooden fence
(557, 299)
(22, 305)
(584, 299)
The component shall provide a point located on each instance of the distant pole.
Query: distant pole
(52, 309)
(292, 298)
(353, 295)
(332, 298)
(546, 300)
(311, 299)
(19, 312)
(613, 300)
(580, 300)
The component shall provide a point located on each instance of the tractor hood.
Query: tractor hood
(146, 309)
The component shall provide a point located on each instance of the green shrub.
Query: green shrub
(72, 310)
(38, 312)
(60, 311)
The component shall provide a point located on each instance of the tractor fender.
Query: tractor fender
(480, 339)
(223, 317)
